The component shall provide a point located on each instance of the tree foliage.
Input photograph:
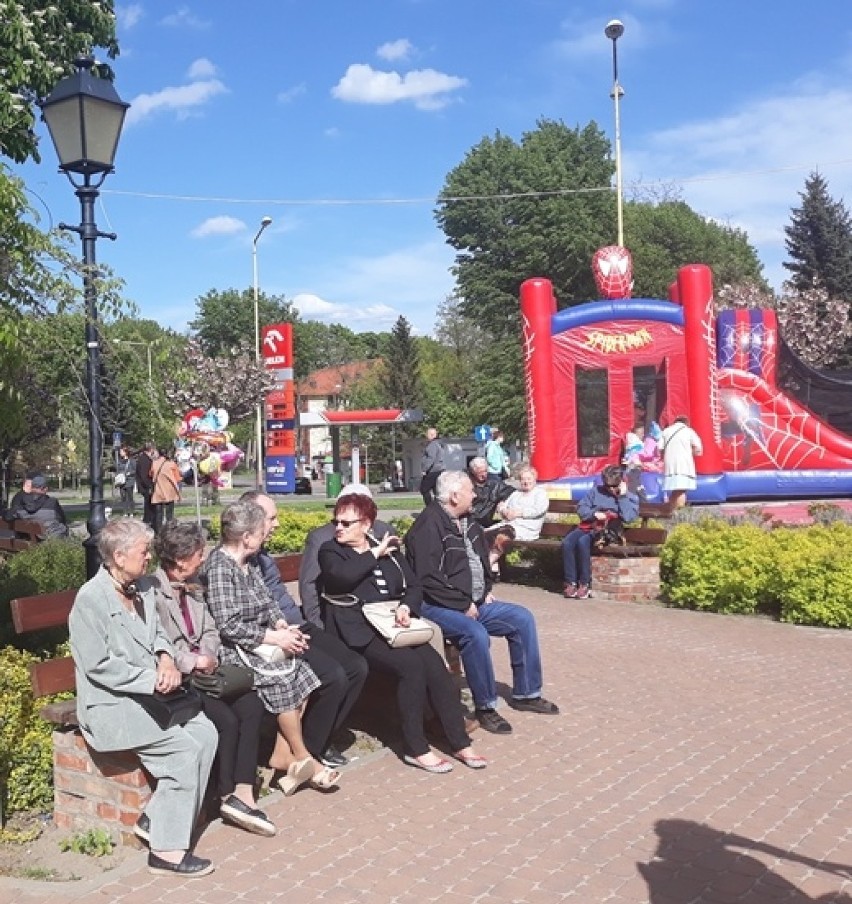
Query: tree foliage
(38, 45)
(400, 376)
(819, 242)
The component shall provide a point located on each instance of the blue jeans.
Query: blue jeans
(577, 557)
(473, 638)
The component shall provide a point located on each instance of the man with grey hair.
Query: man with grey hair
(431, 465)
(449, 554)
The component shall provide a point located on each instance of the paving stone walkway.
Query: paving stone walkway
(698, 758)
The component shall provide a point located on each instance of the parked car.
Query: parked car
(303, 486)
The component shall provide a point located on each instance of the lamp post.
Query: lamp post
(259, 431)
(84, 116)
(147, 346)
(614, 30)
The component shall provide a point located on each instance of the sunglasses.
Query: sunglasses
(342, 522)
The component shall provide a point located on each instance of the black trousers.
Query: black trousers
(147, 508)
(421, 675)
(342, 673)
(238, 724)
(427, 486)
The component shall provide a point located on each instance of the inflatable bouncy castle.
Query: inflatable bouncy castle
(596, 370)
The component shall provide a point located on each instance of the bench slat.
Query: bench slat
(54, 676)
(49, 610)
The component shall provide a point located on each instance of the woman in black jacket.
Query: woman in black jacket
(354, 562)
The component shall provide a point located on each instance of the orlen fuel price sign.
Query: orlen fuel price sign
(277, 349)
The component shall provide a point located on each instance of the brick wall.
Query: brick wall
(96, 790)
(627, 580)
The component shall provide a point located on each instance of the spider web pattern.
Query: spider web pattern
(788, 436)
(752, 340)
(527, 338)
(708, 331)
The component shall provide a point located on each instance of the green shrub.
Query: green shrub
(92, 843)
(717, 566)
(45, 568)
(26, 749)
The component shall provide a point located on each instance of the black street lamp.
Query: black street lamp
(84, 115)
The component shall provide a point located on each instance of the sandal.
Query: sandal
(472, 760)
(297, 774)
(439, 768)
(325, 780)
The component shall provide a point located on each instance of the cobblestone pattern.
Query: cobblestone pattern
(698, 758)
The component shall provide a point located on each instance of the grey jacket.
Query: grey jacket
(115, 654)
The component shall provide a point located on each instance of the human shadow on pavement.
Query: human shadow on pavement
(694, 862)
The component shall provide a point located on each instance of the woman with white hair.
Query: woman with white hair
(526, 507)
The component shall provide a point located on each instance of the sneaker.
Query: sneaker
(191, 867)
(535, 705)
(492, 721)
(583, 592)
(238, 813)
(142, 828)
(334, 759)
(569, 591)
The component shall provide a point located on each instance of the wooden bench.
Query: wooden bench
(20, 534)
(91, 789)
(612, 576)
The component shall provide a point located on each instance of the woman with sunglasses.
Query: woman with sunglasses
(120, 652)
(247, 616)
(356, 563)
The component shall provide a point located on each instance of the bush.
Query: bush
(792, 572)
(290, 535)
(45, 568)
(26, 749)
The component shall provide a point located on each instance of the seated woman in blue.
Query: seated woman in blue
(356, 563)
(606, 504)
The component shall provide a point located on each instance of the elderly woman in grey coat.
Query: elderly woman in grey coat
(120, 651)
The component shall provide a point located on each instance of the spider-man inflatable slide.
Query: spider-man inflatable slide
(596, 370)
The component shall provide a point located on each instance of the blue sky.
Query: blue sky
(341, 119)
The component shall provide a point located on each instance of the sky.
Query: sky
(341, 119)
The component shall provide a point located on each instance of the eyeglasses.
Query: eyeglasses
(342, 522)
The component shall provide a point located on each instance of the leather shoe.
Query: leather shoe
(240, 814)
(492, 721)
(191, 867)
(334, 759)
(142, 828)
(535, 705)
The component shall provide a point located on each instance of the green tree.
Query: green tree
(400, 377)
(224, 320)
(819, 241)
(662, 237)
(38, 44)
(514, 210)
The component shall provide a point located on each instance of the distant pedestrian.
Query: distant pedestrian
(496, 457)
(679, 443)
(144, 481)
(431, 464)
(125, 480)
(167, 479)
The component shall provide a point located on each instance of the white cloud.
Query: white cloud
(183, 100)
(746, 168)
(427, 89)
(395, 50)
(332, 132)
(222, 225)
(314, 307)
(201, 69)
(184, 18)
(128, 16)
(290, 94)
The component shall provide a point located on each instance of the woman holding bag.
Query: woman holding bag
(189, 625)
(354, 562)
(247, 618)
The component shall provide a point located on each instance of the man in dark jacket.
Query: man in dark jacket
(341, 671)
(144, 480)
(36, 505)
(448, 553)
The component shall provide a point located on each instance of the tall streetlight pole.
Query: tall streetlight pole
(266, 221)
(84, 116)
(614, 30)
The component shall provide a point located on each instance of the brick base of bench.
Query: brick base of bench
(635, 580)
(96, 790)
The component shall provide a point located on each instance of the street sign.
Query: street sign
(482, 433)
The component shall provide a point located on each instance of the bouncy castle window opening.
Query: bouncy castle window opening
(592, 407)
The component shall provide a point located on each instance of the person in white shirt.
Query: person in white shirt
(526, 507)
(679, 443)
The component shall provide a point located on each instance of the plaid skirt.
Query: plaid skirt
(287, 691)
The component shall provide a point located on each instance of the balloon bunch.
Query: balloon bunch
(203, 438)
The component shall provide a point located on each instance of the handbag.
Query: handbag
(227, 683)
(168, 710)
(120, 479)
(382, 616)
(270, 654)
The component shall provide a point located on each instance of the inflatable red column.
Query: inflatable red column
(695, 287)
(537, 307)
